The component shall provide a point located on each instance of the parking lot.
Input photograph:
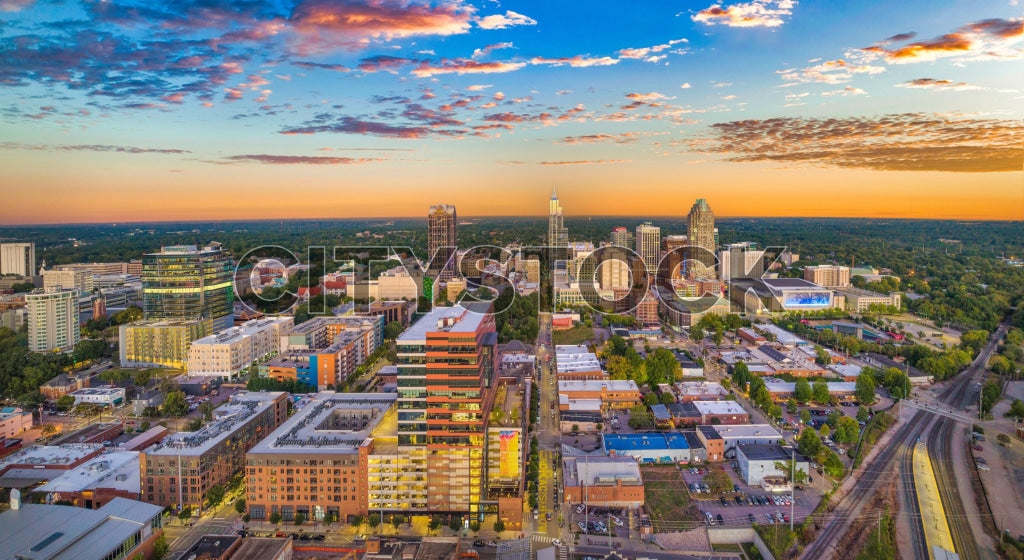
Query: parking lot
(597, 520)
(754, 503)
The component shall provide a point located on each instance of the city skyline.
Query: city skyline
(228, 110)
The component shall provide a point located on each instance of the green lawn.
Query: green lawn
(576, 335)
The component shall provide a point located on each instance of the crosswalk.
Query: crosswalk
(542, 538)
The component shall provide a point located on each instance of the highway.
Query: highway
(956, 393)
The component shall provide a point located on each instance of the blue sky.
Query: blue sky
(373, 107)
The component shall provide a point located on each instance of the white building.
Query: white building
(760, 461)
(103, 396)
(18, 258)
(52, 320)
(66, 279)
(648, 246)
(230, 351)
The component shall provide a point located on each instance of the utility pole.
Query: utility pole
(792, 478)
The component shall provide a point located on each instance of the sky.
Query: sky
(119, 110)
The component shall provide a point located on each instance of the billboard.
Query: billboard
(508, 441)
(796, 300)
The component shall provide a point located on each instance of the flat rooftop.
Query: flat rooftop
(457, 319)
(789, 387)
(210, 547)
(781, 335)
(597, 385)
(42, 456)
(719, 407)
(227, 419)
(99, 391)
(790, 283)
(645, 441)
(763, 452)
(700, 388)
(329, 423)
(601, 471)
(115, 469)
(50, 532)
(739, 431)
(254, 548)
(245, 330)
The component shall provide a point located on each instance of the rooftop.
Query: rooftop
(846, 370)
(781, 335)
(246, 329)
(49, 532)
(719, 407)
(740, 431)
(227, 419)
(766, 452)
(775, 386)
(254, 548)
(598, 385)
(116, 469)
(790, 284)
(442, 319)
(99, 391)
(42, 456)
(700, 388)
(330, 423)
(211, 546)
(8, 411)
(601, 471)
(646, 441)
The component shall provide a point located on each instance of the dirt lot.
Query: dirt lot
(667, 499)
(804, 502)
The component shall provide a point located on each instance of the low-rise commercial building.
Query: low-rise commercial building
(760, 461)
(232, 350)
(860, 300)
(39, 463)
(122, 528)
(577, 363)
(62, 384)
(648, 447)
(721, 412)
(602, 481)
(98, 481)
(103, 396)
(180, 470)
(781, 391)
(14, 421)
(613, 394)
(721, 441)
(688, 391)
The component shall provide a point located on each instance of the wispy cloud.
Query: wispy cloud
(652, 54)
(427, 69)
(585, 162)
(499, 21)
(578, 61)
(989, 39)
(759, 13)
(299, 160)
(347, 124)
(621, 138)
(14, 5)
(650, 96)
(848, 90)
(899, 142)
(482, 52)
(932, 83)
(831, 72)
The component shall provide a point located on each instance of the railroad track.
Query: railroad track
(956, 516)
(908, 491)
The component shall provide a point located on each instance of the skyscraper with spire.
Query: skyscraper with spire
(701, 223)
(558, 235)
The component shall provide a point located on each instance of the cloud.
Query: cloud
(729, 97)
(897, 142)
(478, 87)
(622, 138)
(577, 61)
(848, 90)
(426, 69)
(649, 54)
(685, 85)
(988, 39)
(299, 160)
(318, 66)
(91, 148)
(383, 62)
(585, 162)
(931, 83)
(352, 125)
(14, 5)
(832, 72)
(652, 96)
(328, 24)
(758, 13)
(502, 21)
(479, 53)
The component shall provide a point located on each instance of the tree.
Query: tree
(805, 416)
(1003, 440)
(820, 391)
(791, 406)
(825, 430)
(741, 375)
(662, 367)
(863, 414)
(667, 398)
(275, 517)
(1016, 410)
(215, 494)
(141, 378)
(392, 330)
(435, 524)
(240, 505)
(374, 520)
(174, 405)
(456, 524)
(847, 430)
(300, 518)
(640, 417)
(833, 465)
(802, 391)
(48, 429)
(185, 513)
(718, 481)
(865, 389)
(396, 521)
(474, 526)
(499, 526)
(775, 411)
(650, 399)
(160, 548)
(65, 402)
(358, 520)
(809, 444)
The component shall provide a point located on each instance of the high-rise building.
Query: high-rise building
(82, 280)
(648, 246)
(446, 366)
(18, 258)
(52, 320)
(740, 260)
(558, 235)
(442, 238)
(830, 276)
(186, 282)
(701, 222)
(621, 237)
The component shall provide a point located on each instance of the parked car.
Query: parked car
(739, 501)
(750, 516)
(724, 501)
(978, 448)
(557, 542)
(711, 520)
(580, 508)
(720, 520)
(983, 467)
